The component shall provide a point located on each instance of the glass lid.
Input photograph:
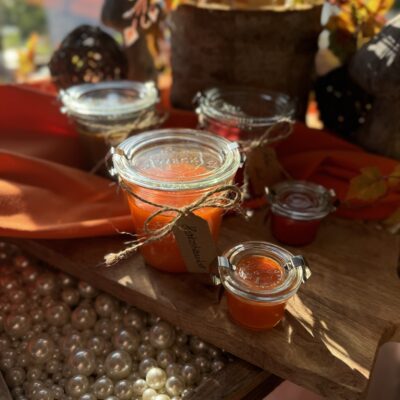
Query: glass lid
(112, 100)
(301, 200)
(176, 159)
(275, 277)
(245, 107)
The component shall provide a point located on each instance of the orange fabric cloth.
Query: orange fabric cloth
(43, 194)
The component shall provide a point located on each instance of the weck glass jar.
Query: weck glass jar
(243, 114)
(173, 167)
(259, 279)
(297, 209)
(106, 113)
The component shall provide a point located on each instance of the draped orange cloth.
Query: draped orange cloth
(44, 194)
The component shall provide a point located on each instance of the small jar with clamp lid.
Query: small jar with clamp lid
(106, 113)
(297, 209)
(259, 279)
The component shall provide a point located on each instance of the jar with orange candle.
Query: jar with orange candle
(259, 279)
(297, 209)
(173, 168)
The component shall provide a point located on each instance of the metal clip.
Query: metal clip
(270, 193)
(225, 263)
(299, 262)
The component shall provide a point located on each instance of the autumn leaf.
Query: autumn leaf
(370, 185)
(393, 180)
(393, 221)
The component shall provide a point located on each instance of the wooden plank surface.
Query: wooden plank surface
(331, 330)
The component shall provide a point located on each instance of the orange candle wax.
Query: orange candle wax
(257, 272)
(164, 254)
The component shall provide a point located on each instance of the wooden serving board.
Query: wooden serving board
(328, 339)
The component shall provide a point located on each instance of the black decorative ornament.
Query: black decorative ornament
(87, 55)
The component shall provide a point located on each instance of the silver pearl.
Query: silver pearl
(40, 348)
(217, 365)
(46, 283)
(190, 374)
(134, 319)
(145, 351)
(123, 390)
(33, 374)
(83, 317)
(21, 261)
(103, 387)
(17, 325)
(71, 343)
(118, 364)
(202, 363)
(103, 327)
(65, 280)
(17, 296)
(96, 344)
(197, 345)
(105, 305)
(70, 296)
(86, 290)
(82, 362)
(174, 369)
(126, 340)
(43, 394)
(162, 335)
(77, 385)
(174, 386)
(145, 365)
(139, 386)
(88, 396)
(15, 376)
(165, 357)
(58, 314)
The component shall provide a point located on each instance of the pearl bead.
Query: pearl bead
(145, 365)
(15, 376)
(213, 352)
(145, 351)
(46, 283)
(174, 369)
(82, 362)
(77, 385)
(100, 369)
(149, 394)
(23, 360)
(58, 392)
(96, 344)
(88, 396)
(70, 296)
(139, 386)
(4, 344)
(21, 261)
(37, 315)
(217, 365)
(17, 296)
(162, 335)
(58, 314)
(105, 305)
(43, 394)
(202, 363)
(197, 345)
(40, 348)
(187, 392)
(156, 378)
(118, 364)
(33, 373)
(17, 325)
(181, 338)
(83, 317)
(29, 274)
(70, 344)
(134, 319)
(65, 280)
(165, 357)
(190, 374)
(103, 327)
(103, 387)
(53, 366)
(174, 386)
(162, 397)
(112, 398)
(126, 340)
(86, 290)
(123, 390)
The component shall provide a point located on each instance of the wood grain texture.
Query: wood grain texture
(331, 330)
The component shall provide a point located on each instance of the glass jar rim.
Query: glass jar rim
(279, 293)
(213, 104)
(81, 101)
(131, 147)
(301, 200)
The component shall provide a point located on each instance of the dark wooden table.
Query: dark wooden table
(332, 328)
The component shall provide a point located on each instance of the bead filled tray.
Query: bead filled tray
(331, 330)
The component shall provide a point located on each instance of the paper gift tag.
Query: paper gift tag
(262, 168)
(195, 243)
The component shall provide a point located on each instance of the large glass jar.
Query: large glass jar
(243, 114)
(297, 209)
(106, 113)
(173, 167)
(259, 279)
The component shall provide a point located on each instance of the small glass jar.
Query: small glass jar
(259, 279)
(173, 167)
(106, 113)
(243, 114)
(297, 209)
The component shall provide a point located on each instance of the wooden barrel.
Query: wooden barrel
(271, 48)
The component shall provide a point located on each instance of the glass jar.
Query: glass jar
(173, 167)
(297, 209)
(106, 113)
(243, 114)
(259, 279)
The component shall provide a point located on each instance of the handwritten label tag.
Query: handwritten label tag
(262, 168)
(195, 243)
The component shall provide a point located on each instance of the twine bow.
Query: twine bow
(231, 199)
